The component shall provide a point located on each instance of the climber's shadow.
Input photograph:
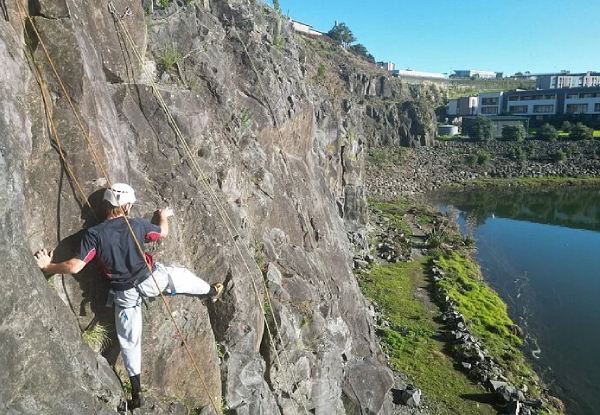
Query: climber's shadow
(94, 286)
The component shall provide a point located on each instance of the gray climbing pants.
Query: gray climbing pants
(128, 308)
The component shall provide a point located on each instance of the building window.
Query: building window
(577, 108)
(518, 109)
(543, 109)
(513, 98)
(526, 97)
(550, 96)
(572, 96)
(489, 110)
(597, 107)
(489, 101)
(588, 95)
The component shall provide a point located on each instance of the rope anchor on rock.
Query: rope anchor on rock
(116, 15)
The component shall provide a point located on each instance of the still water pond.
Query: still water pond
(540, 250)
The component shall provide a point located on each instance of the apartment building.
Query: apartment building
(566, 79)
(548, 102)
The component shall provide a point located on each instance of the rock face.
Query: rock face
(265, 178)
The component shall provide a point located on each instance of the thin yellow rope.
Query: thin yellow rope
(203, 179)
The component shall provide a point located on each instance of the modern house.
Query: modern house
(490, 103)
(462, 106)
(536, 104)
(565, 79)
(472, 73)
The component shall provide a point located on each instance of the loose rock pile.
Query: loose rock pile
(423, 169)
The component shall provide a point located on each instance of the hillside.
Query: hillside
(218, 110)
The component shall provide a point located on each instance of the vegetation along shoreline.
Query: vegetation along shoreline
(427, 290)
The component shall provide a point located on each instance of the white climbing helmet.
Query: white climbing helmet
(120, 195)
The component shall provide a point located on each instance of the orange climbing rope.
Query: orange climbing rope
(24, 14)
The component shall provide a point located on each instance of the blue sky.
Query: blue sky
(430, 35)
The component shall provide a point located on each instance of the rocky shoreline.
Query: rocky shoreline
(413, 172)
(393, 173)
(393, 245)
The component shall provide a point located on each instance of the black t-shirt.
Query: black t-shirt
(112, 243)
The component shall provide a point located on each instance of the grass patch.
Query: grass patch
(536, 181)
(96, 337)
(170, 56)
(486, 316)
(393, 213)
(398, 289)
(411, 334)
(379, 156)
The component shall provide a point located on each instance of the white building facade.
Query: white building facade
(305, 28)
(462, 106)
(490, 103)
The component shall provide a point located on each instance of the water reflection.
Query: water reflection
(539, 250)
(573, 207)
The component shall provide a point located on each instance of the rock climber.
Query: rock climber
(112, 243)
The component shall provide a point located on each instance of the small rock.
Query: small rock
(411, 396)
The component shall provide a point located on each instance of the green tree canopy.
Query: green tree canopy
(342, 33)
(513, 133)
(361, 50)
(580, 131)
(480, 129)
(547, 133)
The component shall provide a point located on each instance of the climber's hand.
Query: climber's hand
(165, 213)
(43, 258)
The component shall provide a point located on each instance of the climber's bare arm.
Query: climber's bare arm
(163, 221)
(44, 261)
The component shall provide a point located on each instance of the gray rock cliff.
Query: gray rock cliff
(265, 187)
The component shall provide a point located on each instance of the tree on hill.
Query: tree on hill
(361, 50)
(343, 34)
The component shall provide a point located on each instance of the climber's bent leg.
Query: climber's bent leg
(174, 280)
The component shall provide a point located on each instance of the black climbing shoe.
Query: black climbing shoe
(136, 392)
